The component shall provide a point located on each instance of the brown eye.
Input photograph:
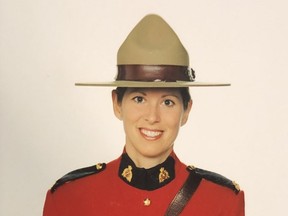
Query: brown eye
(168, 102)
(138, 99)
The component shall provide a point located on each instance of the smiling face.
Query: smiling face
(152, 119)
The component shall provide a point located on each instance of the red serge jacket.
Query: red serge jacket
(120, 188)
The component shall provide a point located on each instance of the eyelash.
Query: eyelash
(171, 103)
(136, 99)
(166, 102)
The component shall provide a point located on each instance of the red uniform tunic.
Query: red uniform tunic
(106, 193)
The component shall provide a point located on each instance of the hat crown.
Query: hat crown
(152, 42)
(153, 56)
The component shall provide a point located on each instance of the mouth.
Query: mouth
(151, 134)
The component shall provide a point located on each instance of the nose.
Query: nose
(153, 114)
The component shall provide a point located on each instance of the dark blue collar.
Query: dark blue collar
(146, 179)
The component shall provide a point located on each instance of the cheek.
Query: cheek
(130, 114)
(174, 120)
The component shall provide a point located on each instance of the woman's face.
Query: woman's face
(152, 119)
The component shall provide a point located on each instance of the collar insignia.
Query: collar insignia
(127, 173)
(146, 179)
(163, 175)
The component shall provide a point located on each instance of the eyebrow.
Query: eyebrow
(171, 95)
(166, 94)
(137, 90)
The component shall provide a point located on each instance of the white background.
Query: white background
(49, 127)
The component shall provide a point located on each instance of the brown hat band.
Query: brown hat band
(146, 73)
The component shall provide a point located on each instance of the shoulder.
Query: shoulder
(215, 178)
(78, 174)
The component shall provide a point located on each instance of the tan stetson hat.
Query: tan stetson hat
(153, 56)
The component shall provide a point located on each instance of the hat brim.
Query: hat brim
(155, 84)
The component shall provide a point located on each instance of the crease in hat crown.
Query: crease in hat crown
(152, 55)
(152, 42)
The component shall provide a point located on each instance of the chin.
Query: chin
(156, 154)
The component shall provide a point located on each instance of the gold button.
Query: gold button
(147, 202)
(237, 187)
(191, 167)
(99, 166)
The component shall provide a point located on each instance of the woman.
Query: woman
(152, 100)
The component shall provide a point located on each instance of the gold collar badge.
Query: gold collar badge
(163, 175)
(127, 173)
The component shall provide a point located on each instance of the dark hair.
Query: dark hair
(184, 91)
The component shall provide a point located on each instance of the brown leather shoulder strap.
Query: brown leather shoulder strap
(184, 194)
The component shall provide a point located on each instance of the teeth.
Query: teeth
(151, 133)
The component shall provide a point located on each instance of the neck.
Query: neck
(147, 161)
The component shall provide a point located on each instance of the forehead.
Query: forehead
(169, 91)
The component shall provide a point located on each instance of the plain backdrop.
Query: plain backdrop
(49, 127)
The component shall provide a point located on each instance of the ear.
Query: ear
(186, 113)
(116, 105)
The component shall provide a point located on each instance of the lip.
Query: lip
(150, 134)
